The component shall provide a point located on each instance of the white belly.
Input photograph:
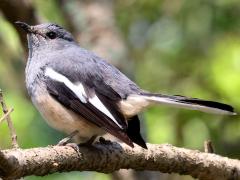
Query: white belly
(63, 119)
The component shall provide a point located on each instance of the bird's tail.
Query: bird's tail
(190, 103)
(182, 102)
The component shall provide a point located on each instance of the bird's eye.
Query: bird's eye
(51, 35)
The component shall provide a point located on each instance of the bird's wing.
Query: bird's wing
(88, 102)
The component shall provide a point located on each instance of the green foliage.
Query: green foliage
(225, 67)
(49, 11)
(72, 176)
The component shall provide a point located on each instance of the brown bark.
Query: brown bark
(16, 163)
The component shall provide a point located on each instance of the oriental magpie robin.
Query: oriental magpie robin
(74, 89)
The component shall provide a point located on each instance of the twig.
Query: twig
(208, 147)
(9, 121)
(112, 157)
(5, 115)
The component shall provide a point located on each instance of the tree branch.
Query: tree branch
(9, 121)
(7, 114)
(16, 163)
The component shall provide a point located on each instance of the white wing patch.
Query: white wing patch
(77, 89)
(80, 92)
(98, 104)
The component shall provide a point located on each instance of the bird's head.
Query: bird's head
(45, 34)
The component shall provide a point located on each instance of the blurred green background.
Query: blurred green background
(182, 47)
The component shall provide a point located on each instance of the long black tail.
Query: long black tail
(190, 103)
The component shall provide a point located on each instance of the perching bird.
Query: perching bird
(74, 89)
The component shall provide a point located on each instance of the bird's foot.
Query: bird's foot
(66, 142)
(75, 147)
(102, 140)
(67, 139)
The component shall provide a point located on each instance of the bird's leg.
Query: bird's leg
(67, 139)
(102, 140)
(88, 142)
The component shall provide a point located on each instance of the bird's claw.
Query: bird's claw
(67, 139)
(102, 140)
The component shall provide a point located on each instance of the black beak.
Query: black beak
(24, 26)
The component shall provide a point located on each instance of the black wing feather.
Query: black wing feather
(67, 98)
(109, 98)
(133, 132)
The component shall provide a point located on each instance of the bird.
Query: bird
(77, 91)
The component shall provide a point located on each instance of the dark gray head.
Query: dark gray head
(46, 34)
